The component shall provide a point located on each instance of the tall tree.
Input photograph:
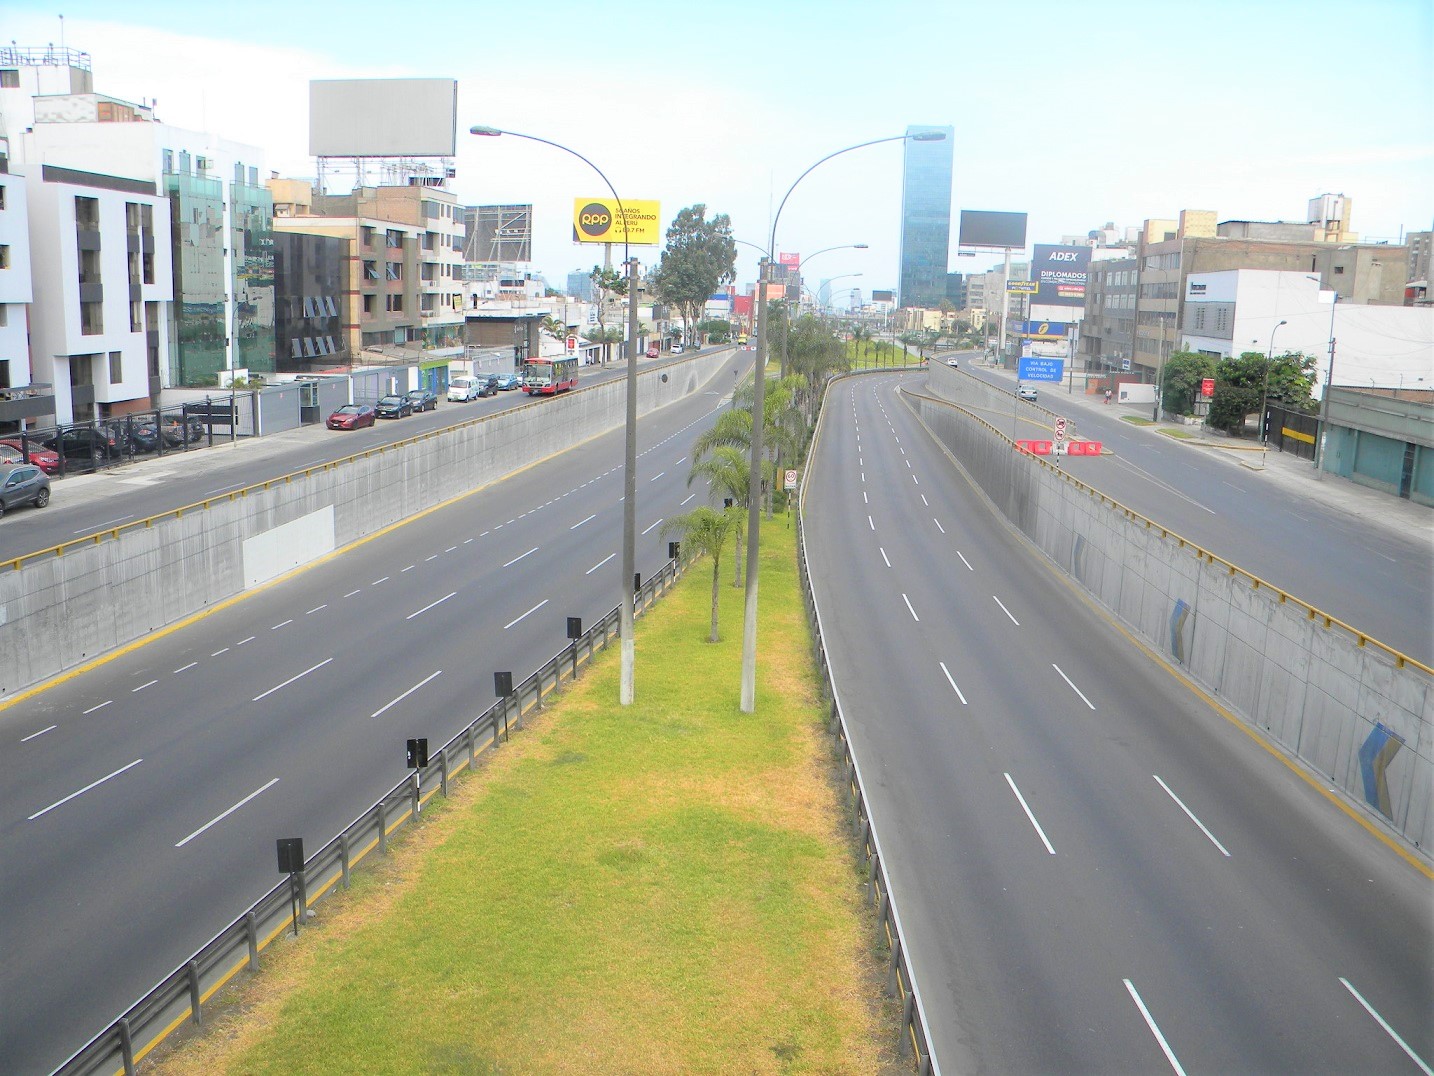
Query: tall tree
(608, 284)
(699, 257)
(1184, 371)
(728, 476)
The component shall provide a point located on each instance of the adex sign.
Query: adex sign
(597, 220)
(1060, 274)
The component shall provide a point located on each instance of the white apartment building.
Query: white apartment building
(100, 258)
(1239, 310)
(16, 295)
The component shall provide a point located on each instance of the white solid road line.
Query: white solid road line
(1388, 1030)
(916, 480)
(1191, 814)
(534, 609)
(599, 564)
(965, 561)
(580, 522)
(650, 528)
(938, 525)
(376, 582)
(1072, 686)
(952, 681)
(143, 686)
(291, 679)
(658, 475)
(81, 792)
(884, 556)
(250, 639)
(924, 501)
(1004, 609)
(1039, 832)
(910, 610)
(405, 695)
(281, 624)
(864, 498)
(351, 593)
(408, 569)
(689, 497)
(1154, 1028)
(870, 523)
(216, 653)
(220, 818)
(521, 556)
(430, 605)
(92, 709)
(185, 668)
(51, 728)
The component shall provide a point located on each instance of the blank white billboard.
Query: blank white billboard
(383, 117)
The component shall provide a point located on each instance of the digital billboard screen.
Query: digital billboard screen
(985, 228)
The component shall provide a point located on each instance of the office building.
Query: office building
(925, 218)
(310, 309)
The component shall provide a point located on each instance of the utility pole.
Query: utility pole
(629, 500)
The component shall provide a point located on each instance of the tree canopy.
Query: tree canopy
(699, 257)
(1240, 383)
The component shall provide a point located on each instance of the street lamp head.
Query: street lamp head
(486, 132)
(928, 136)
(859, 246)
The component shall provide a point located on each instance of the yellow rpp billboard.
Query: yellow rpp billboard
(597, 220)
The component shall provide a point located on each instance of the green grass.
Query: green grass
(863, 356)
(662, 888)
(1181, 434)
(1136, 420)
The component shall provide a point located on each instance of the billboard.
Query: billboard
(1041, 330)
(383, 117)
(1001, 231)
(879, 296)
(595, 220)
(794, 260)
(1060, 274)
(499, 233)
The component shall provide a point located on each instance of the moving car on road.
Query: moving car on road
(23, 483)
(393, 406)
(423, 399)
(351, 417)
(1026, 392)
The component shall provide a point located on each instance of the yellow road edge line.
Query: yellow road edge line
(1252, 731)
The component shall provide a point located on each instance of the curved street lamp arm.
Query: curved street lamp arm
(860, 145)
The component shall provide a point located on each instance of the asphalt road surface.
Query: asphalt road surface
(140, 802)
(1096, 871)
(1376, 579)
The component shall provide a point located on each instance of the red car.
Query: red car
(47, 459)
(652, 352)
(351, 417)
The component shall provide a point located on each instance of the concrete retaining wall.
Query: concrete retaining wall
(1354, 711)
(57, 612)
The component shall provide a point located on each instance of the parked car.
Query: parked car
(653, 352)
(488, 385)
(23, 483)
(179, 430)
(464, 389)
(393, 407)
(47, 459)
(351, 417)
(1025, 392)
(423, 399)
(508, 381)
(677, 349)
(141, 435)
(88, 443)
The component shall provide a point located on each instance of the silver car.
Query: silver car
(23, 483)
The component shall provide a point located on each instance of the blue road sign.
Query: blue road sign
(1040, 369)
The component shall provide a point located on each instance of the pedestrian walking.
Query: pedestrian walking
(1107, 395)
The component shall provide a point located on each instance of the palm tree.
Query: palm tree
(554, 327)
(704, 531)
(728, 476)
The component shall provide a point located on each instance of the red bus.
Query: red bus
(547, 377)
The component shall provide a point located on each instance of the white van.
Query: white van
(463, 389)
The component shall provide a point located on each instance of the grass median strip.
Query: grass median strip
(660, 888)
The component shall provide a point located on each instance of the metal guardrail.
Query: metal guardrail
(1327, 620)
(180, 996)
(900, 979)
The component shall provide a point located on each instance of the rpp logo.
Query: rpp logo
(594, 219)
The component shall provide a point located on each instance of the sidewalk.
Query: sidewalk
(1286, 470)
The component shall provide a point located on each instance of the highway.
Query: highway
(1096, 871)
(140, 802)
(85, 503)
(1378, 579)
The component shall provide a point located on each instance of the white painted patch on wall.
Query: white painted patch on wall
(287, 546)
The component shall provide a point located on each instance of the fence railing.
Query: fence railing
(181, 995)
(899, 977)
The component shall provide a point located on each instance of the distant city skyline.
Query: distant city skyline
(1105, 112)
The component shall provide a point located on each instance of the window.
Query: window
(116, 362)
(2, 197)
(394, 270)
(1339, 270)
(9, 78)
(369, 305)
(136, 316)
(168, 159)
(308, 307)
(131, 216)
(370, 270)
(329, 308)
(4, 256)
(394, 239)
(395, 304)
(366, 236)
(148, 263)
(87, 213)
(92, 319)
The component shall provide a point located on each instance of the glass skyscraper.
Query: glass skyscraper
(926, 218)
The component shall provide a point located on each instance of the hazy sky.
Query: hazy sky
(1078, 114)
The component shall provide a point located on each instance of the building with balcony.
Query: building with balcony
(100, 258)
(402, 285)
(22, 402)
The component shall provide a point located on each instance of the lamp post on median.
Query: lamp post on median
(629, 505)
(1265, 398)
(782, 367)
(754, 506)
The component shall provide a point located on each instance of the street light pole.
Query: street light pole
(1265, 398)
(629, 501)
(1320, 445)
(754, 476)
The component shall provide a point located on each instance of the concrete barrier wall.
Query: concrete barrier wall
(57, 612)
(1355, 712)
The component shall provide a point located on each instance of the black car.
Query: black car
(180, 431)
(394, 407)
(487, 384)
(87, 443)
(423, 399)
(23, 483)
